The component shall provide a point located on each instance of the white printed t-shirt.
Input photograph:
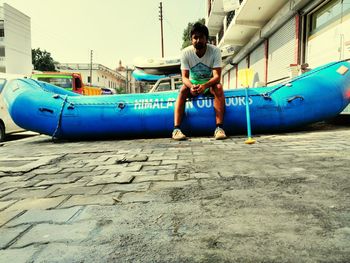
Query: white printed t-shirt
(200, 68)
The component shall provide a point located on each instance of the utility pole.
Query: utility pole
(161, 26)
(91, 52)
(127, 80)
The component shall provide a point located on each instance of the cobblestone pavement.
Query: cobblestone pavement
(283, 199)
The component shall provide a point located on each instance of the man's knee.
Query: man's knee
(184, 91)
(218, 90)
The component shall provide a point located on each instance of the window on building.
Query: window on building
(2, 31)
(328, 14)
(2, 51)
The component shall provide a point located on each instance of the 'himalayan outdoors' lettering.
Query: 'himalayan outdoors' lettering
(200, 103)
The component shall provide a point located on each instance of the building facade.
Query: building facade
(96, 75)
(273, 36)
(15, 41)
(278, 38)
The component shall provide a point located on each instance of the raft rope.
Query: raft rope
(58, 126)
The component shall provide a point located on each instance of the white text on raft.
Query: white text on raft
(200, 103)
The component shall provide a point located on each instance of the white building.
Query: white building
(101, 76)
(274, 36)
(15, 41)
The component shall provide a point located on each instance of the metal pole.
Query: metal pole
(161, 26)
(91, 52)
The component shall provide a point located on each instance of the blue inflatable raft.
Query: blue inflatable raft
(314, 96)
(140, 75)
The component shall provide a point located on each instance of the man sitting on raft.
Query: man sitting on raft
(201, 74)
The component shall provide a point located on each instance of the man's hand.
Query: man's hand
(197, 89)
(200, 89)
(194, 90)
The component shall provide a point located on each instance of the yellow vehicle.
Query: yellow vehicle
(70, 81)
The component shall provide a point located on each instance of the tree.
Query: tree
(120, 90)
(42, 60)
(186, 38)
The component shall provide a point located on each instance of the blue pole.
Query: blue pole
(249, 130)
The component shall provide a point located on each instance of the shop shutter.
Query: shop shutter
(233, 83)
(225, 80)
(241, 65)
(282, 51)
(258, 64)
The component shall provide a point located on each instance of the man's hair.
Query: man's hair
(199, 28)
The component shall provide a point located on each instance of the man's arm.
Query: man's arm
(215, 79)
(186, 81)
(185, 73)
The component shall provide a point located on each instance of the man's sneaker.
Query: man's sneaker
(219, 134)
(178, 135)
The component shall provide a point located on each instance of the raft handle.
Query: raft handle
(294, 98)
(121, 105)
(71, 106)
(46, 109)
(266, 96)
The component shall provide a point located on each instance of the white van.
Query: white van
(7, 125)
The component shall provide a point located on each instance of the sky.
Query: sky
(114, 29)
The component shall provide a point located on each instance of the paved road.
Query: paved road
(283, 199)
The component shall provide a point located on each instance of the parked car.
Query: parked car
(7, 125)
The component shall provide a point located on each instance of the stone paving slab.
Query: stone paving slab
(8, 214)
(46, 233)
(77, 190)
(83, 200)
(18, 255)
(37, 203)
(4, 204)
(13, 165)
(8, 235)
(31, 192)
(55, 216)
(135, 187)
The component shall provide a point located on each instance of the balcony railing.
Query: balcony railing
(229, 17)
(221, 34)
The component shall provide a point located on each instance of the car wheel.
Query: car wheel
(2, 132)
